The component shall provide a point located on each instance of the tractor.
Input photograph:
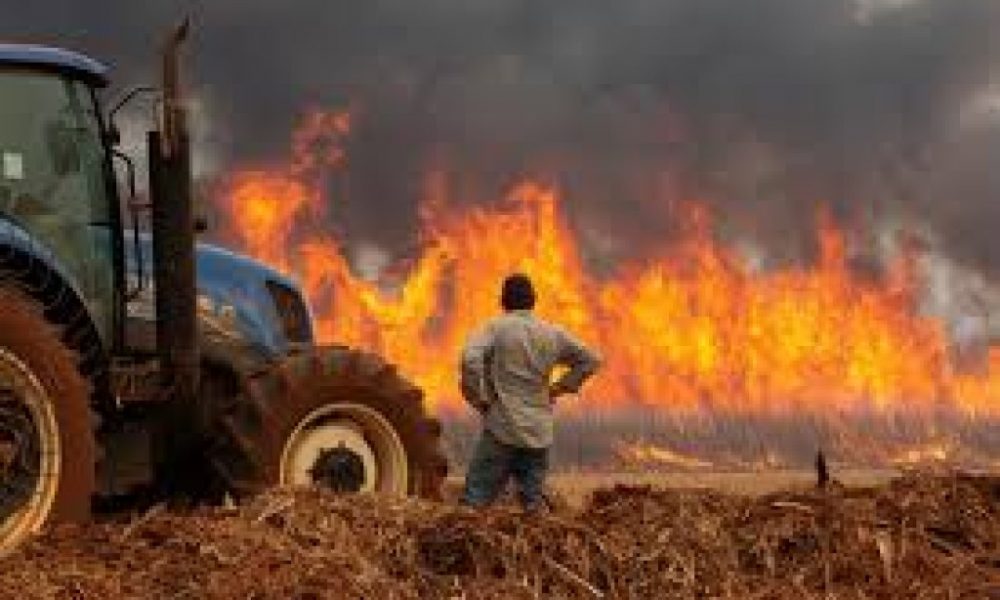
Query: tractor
(138, 362)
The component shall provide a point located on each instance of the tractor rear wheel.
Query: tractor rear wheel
(332, 417)
(47, 447)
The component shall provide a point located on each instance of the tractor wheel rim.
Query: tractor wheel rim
(353, 436)
(30, 452)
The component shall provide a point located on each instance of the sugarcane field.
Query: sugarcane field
(488, 300)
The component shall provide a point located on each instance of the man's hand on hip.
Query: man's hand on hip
(555, 391)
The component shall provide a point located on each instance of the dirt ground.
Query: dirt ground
(921, 535)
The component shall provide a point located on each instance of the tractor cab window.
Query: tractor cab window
(53, 179)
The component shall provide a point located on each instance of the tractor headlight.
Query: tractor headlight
(206, 304)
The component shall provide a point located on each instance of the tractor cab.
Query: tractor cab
(56, 183)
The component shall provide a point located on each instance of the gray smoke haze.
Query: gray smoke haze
(764, 108)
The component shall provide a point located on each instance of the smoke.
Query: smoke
(763, 109)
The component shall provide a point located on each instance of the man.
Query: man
(506, 374)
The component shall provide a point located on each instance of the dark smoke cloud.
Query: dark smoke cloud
(763, 108)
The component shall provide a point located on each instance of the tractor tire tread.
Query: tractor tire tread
(269, 405)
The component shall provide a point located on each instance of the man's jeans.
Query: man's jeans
(494, 462)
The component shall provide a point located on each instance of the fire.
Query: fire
(694, 328)
(265, 203)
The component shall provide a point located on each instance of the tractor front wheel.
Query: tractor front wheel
(331, 417)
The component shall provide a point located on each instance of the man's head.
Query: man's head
(518, 293)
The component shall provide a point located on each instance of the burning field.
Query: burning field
(694, 327)
(705, 346)
(920, 536)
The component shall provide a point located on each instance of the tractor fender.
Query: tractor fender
(38, 272)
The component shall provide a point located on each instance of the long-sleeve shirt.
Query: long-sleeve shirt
(506, 372)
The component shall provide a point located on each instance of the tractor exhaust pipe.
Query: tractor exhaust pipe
(173, 228)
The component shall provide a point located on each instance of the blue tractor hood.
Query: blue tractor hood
(239, 299)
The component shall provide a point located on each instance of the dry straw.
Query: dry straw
(921, 536)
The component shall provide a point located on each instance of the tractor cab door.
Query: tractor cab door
(53, 179)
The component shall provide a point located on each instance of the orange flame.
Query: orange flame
(693, 329)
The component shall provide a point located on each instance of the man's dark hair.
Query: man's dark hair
(518, 293)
